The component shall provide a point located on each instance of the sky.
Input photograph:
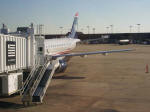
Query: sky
(97, 14)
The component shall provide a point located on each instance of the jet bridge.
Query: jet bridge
(20, 53)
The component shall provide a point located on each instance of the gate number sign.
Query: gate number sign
(10, 53)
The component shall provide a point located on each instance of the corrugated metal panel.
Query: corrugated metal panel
(10, 83)
(28, 55)
(13, 54)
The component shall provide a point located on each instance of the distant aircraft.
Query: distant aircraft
(60, 48)
(124, 41)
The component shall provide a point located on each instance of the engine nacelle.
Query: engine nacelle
(62, 66)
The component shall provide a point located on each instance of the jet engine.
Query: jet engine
(62, 66)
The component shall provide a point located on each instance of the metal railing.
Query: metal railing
(30, 76)
(39, 77)
(33, 80)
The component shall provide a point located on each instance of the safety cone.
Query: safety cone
(147, 70)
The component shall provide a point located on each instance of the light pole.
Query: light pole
(37, 30)
(107, 29)
(88, 27)
(40, 29)
(61, 28)
(93, 30)
(111, 26)
(138, 28)
(130, 28)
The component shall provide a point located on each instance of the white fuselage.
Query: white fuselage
(60, 45)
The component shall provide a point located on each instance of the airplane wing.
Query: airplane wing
(91, 53)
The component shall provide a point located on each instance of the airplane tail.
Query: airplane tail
(74, 27)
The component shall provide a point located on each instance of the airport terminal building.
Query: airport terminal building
(135, 38)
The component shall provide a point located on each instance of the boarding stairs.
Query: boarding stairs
(37, 82)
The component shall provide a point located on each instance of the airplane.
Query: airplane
(124, 42)
(60, 48)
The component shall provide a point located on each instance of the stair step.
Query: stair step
(40, 91)
(38, 84)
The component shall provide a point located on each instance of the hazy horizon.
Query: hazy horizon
(97, 14)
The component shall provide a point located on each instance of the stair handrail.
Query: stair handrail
(29, 77)
(41, 73)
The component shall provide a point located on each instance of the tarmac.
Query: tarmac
(114, 83)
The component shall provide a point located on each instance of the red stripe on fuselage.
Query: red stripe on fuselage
(63, 52)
